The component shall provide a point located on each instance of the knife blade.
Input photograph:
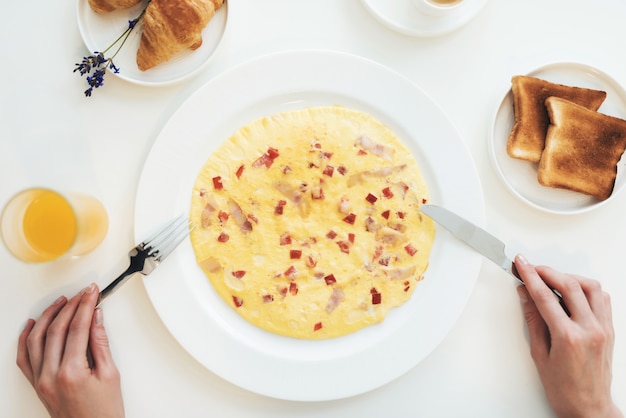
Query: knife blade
(478, 239)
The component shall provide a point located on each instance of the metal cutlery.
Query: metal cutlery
(479, 240)
(148, 254)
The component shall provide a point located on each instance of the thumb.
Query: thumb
(538, 332)
(99, 343)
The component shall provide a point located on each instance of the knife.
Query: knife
(479, 240)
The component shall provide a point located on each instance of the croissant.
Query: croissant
(105, 6)
(171, 26)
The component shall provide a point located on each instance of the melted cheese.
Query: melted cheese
(309, 224)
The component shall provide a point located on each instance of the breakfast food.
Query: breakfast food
(308, 222)
(171, 26)
(582, 149)
(527, 138)
(105, 6)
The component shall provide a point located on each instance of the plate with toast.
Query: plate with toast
(149, 56)
(558, 137)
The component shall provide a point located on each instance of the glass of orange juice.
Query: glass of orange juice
(40, 225)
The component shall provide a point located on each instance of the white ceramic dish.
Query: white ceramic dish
(211, 331)
(404, 17)
(521, 176)
(100, 30)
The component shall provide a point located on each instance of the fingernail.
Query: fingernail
(59, 300)
(88, 289)
(521, 259)
(522, 293)
(98, 315)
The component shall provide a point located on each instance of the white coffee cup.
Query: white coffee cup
(437, 7)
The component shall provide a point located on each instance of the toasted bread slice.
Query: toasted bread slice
(582, 149)
(527, 138)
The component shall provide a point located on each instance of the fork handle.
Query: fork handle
(136, 265)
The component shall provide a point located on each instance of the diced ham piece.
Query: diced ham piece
(285, 238)
(410, 249)
(371, 198)
(237, 301)
(293, 288)
(350, 218)
(266, 159)
(330, 279)
(291, 273)
(217, 183)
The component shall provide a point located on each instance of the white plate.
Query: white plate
(211, 331)
(404, 17)
(100, 30)
(521, 176)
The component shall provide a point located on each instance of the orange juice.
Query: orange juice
(49, 224)
(40, 225)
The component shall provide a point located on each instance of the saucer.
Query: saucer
(402, 16)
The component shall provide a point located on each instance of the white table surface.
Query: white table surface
(51, 135)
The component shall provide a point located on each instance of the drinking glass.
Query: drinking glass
(40, 225)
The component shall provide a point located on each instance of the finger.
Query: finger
(78, 334)
(542, 296)
(537, 328)
(599, 301)
(23, 362)
(99, 345)
(36, 339)
(570, 289)
(56, 336)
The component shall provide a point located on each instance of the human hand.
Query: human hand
(573, 354)
(65, 355)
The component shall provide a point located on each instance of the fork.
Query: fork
(145, 256)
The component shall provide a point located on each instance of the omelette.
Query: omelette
(308, 222)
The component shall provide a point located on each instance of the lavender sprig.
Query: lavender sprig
(99, 64)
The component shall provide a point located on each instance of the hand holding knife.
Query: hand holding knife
(479, 240)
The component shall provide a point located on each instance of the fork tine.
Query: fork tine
(174, 240)
(163, 242)
(155, 235)
(161, 233)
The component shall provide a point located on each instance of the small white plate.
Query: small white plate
(404, 17)
(521, 176)
(100, 30)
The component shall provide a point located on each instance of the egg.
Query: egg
(308, 222)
